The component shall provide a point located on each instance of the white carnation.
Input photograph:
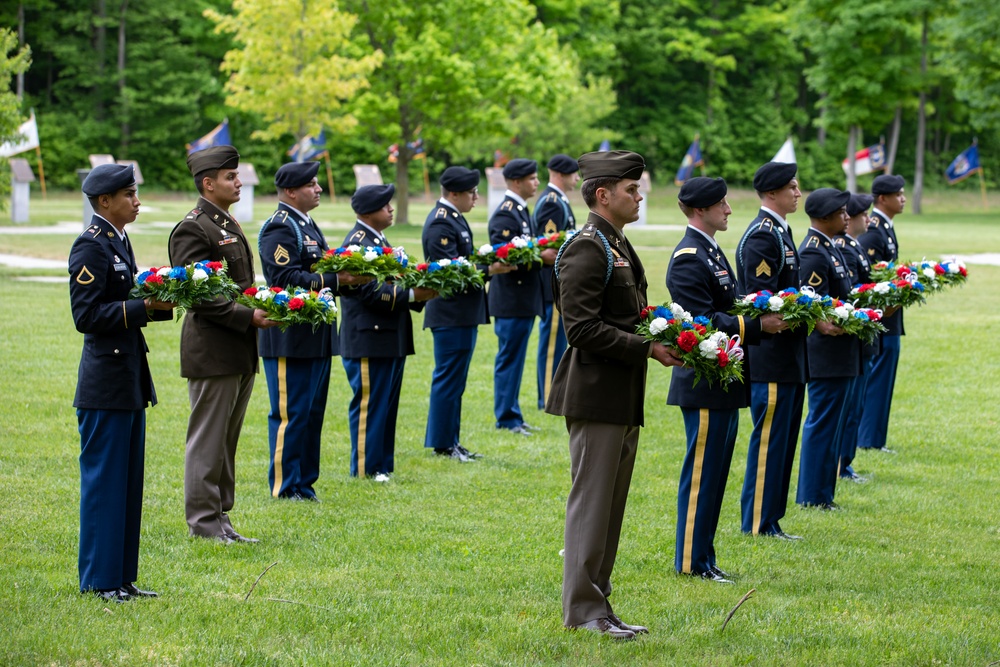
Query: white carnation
(371, 255)
(749, 298)
(929, 272)
(165, 271)
(719, 338)
(658, 326)
(444, 262)
(841, 312)
(486, 249)
(354, 248)
(519, 242)
(775, 303)
(882, 288)
(708, 349)
(199, 275)
(679, 312)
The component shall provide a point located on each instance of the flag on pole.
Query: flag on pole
(867, 160)
(28, 130)
(786, 153)
(605, 146)
(691, 160)
(308, 148)
(965, 165)
(219, 136)
(417, 149)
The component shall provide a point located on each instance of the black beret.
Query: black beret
(459, 179)
(563, 164)
(108, 179)
(295, 174)
(825, 201)
(774, 176)
(612, 164)
(370, 198)
(702, 192)
(216, 157)
(859, 204)
(887, 184)
(519, 168)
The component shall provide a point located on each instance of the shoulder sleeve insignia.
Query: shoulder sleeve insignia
(550, 227)
(685, 251)
(85, 277)
(815, 280)
(507, 205)
(281, 255)
(813, 242)
(763, 269)
(441, 213)
(444, 240)
(506, 233)
(871, 252)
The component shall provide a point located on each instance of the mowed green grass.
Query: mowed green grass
(458, 564)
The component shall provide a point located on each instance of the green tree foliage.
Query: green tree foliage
(13, 61)
(974, 59)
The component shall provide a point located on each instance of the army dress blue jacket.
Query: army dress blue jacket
(879, 242)
(114, 372)
(518, 293)
(447, 235)
(823, 269)
(375, 317)
(290, 243)
(552, 215)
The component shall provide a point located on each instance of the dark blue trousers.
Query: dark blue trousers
(551, 347)
(372, 414)
(776, 408)
(852, 418)
(874, 425)
(512, 350)
(711, 438)
(821, 440)
(112, 454)
(297, 389)
(453, 350)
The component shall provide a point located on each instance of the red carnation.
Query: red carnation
(422, 266)
(723, 358)
(866, 287)
(962, 271)
(687, 341)
(543, 241)
(938, 269)
(215, 266)
(275, 289)
(503, 251)
(296, 304)
(837, 303)
(900, 283)
(903, 271)
(386, 250)
(646, 311)
(154, 280)
(330, 253)
(700, 329)
(250, 291)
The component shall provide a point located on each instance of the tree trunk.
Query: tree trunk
(122, 96)
(918, 176)
(402, 185)
(852, 148)
(890, 160)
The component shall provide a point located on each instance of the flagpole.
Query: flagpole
(982, 188)
(329, 177)
(41, 170)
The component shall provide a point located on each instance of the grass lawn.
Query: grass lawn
(459, 564)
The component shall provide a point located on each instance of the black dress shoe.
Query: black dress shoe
(236, 537)
(719, 572)
(605, 627)
(470, 455)
(637, 629)
(826, 507)
(138, 592)
(782, 535)
(521, 429)
(532, 429)
(711, 576)
(116, 595)
(854, 477)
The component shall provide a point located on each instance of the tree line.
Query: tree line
(464, 80)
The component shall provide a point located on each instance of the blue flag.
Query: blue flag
(691, 160)
(219, 136)
(605, 146)
(965, 165)
(308, 147)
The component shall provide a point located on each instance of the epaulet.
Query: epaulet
(766, 224)
(685, 251)
(442, 212)
(508, 205)
(281, 216)
(873, 222)
(840, 241)
(358, 235)
(588, 230)
(552, 196)
(813, 241)
(93, 230)
(193, 213)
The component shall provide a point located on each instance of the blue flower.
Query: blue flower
(141, 278)
(178, 273)
(702, 320)
(790, 290)
(432, 267)
(281, 298)
(687, 325)
(861, 315)
(662, 312)
(918, 286)
(804, 299)
(826, 300)
(761, 301)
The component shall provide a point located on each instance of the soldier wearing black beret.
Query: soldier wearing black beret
(834, 359)
(881, 246)
(701, 280)
(297, 361)
(767, 259)
(218, 346)
(376, 336)
(860, 271)
(114, 386)
(454, 322)
(600, 288)
(515, 298)
(552, 215)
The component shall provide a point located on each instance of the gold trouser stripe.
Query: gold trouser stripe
(765, 442)
(363, 417)
(699, 462)
(743, 333)
(125, 314)
(550, 357)
(279, 439)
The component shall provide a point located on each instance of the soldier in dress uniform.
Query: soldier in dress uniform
(701, 280)
(600, 385)
(881, 245)
(454, 322)
(553, 215)
(297, 361)
(113, 388)
(859, 269)
(767, 259)
(218, 346)
(515, 298)
(376, 335)
(834, 359)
